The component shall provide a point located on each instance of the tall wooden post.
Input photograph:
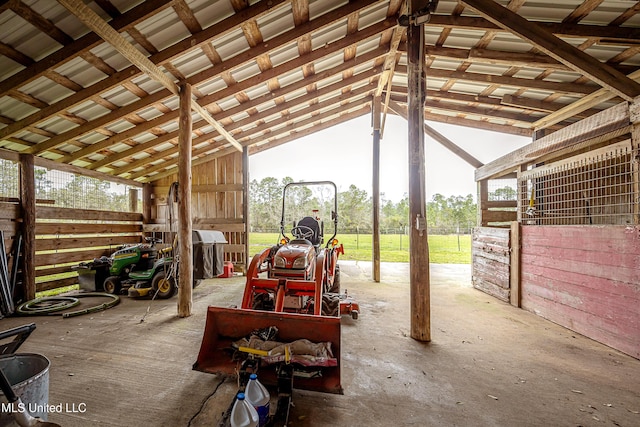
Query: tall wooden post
(634, 114)
(28, 207)
(419, 250)
(146, 203)
(375, 202)
(514, 265)
(185, 241)
(245, 203)
(133, 200)
(483, 198)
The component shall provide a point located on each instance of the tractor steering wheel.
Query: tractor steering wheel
(302, 232)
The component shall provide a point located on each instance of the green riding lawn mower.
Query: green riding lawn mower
(141, 269)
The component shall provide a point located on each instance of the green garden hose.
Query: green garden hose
(46, 305)
(54, 305)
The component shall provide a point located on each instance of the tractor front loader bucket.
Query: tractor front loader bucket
(226, 325)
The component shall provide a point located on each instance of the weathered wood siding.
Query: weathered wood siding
(66, 237)
(491, 261)
(216, 200)
(586, 278)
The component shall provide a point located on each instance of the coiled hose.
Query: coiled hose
(52, 306)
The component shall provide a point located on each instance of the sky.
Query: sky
(343, 154)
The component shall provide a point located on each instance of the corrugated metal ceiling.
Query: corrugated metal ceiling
(272, 70)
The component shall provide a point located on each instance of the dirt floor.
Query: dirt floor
(488, 364)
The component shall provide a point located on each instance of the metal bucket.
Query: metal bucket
(28, 375)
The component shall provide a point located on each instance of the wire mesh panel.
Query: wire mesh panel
(63, 189)
(596, 189)
(503, 189)
(9, 187)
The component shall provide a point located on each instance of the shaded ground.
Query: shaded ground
(488, 364)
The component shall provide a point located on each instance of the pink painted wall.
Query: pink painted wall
(586, 278)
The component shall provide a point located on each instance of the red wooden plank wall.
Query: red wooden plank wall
(586, 278)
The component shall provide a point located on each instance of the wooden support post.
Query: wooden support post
(133, 200)
(146, 203)
(375, 202)
(514, 295)
(483, 198)
(634, 115)
(185, 241)
(28, 207)
(418, 239)
(245, 204)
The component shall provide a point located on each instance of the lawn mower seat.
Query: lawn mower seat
(313, 224)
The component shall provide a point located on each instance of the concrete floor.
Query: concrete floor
(488, 364)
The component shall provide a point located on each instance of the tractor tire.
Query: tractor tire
(335, 288)
(112, 285)
(330, 305)
(165, 287)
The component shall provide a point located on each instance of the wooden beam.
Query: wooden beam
(418, 237)
(557, 48)
(606, 121)
(185, 241)
(271, 143)
(515, 82)
(634, 117)
(125, 75)
(260, 132)
(483, 198)
(521, 102)
(50, 164)
(147, 190)
(83, 44)
(111, 36)
(375, 188)
(627, 34)
(437, 136)
(245, 205)
(583, 104)
(28, 208)
(258, 103)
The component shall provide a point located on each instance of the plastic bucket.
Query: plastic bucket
(28, 375)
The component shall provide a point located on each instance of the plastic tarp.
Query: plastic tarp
(208, 253)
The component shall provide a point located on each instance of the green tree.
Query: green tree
(503, 193)
(43, 184)
(355, 209)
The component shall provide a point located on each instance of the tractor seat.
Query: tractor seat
(313, 224)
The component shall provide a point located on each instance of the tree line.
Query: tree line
(447, 214)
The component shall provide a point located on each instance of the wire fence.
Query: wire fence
(597, 189)
(64, 189)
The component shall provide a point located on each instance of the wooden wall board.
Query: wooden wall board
(9, 210)
(216, 202)
(491, 261)
(83, 228)
(586, 278)
(45, 212)
(84, 242)
(46, 286)
(587, 324)
(71, 256)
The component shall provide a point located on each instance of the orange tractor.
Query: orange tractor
(292, 288)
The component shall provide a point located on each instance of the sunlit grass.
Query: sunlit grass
(443, 249)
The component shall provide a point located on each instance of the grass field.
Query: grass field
(443, 249)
